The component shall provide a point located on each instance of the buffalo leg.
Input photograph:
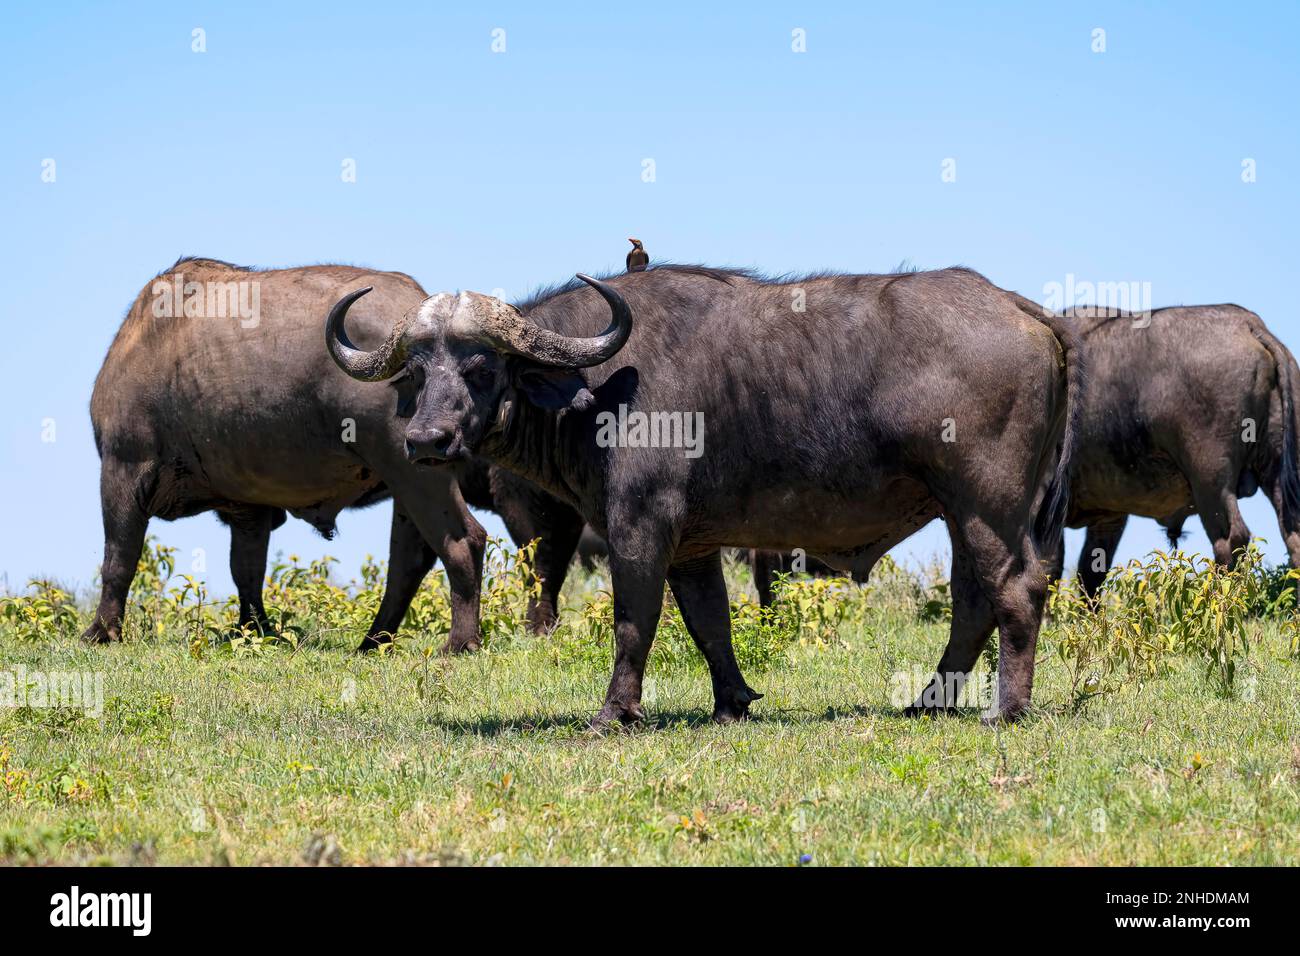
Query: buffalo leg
(1221, 518)
(1289, 524)
(1013, 578)
(444, 522)
(638, 600)
(591, 548)
(409, 561)
(461, 549)
(1098, 554)
(557, 537)
(701, 593)
(250, 537)
(972, 624)
(531, 514)
(554, 554)
(125, 522)
(764, 565)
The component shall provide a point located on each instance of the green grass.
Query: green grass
(309, 754)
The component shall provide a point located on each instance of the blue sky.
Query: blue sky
(487, 170)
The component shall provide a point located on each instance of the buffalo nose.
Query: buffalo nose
(432, 443)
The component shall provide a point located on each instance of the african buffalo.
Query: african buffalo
(204, 405)
(1188, 409)
(839, 413)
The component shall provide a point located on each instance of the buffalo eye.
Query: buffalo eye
(478, 373)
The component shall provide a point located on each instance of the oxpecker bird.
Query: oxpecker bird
(638, 258)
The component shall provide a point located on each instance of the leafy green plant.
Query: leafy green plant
(1170, 603)
(813, 610)
(509, 581)
(1275, 596)
(49, 612)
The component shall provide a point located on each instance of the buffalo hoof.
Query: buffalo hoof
(930, 710)
(735, 707)
(541, 620)
(372, 642)
(250, 627)
(1004, 718)
(730, 714)
(460, 647)
(614, 716)
(97, 633)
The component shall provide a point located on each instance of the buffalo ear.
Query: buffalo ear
(553, 388)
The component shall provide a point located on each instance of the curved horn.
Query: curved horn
(375, 366)
(514, 333)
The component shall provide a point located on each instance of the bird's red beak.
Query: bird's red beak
(633, 241)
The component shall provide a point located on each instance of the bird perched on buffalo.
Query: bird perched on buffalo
(638, 258)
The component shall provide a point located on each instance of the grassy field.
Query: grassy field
(296, 751)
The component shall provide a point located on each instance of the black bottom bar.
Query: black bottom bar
(333, 905)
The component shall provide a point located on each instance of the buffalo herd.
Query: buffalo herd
(668, 413)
